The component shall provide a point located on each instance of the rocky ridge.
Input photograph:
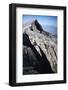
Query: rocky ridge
(39, 50)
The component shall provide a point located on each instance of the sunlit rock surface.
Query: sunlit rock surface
(39, 50)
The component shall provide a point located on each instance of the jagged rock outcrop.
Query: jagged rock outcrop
(39, 50)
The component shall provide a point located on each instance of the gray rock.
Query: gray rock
(42, 42)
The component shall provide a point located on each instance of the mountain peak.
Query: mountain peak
(34, 21)
(35, 25)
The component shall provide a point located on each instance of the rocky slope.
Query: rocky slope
(39, 50)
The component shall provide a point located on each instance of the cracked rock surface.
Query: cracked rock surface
(39, 50)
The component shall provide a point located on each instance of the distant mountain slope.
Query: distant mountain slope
(39, 51)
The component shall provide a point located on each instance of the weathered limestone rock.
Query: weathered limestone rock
(45, 45)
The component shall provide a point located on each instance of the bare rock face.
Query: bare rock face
(39, 50)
